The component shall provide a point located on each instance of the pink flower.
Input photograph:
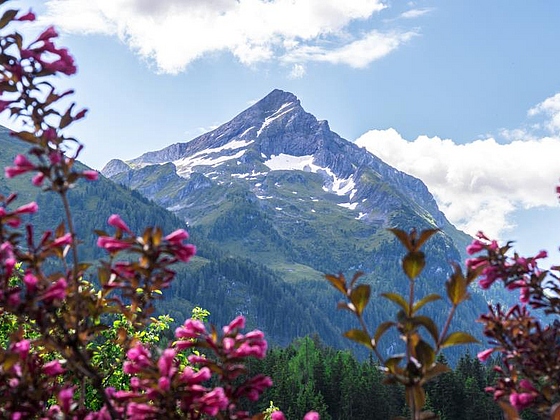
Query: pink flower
(527, 385)
(214, 401)
(53, 368)
(47, 34)
(192, 328)
(65, 398)
(112, 244)
(521, 401)
(257, 349)
(475, 246)
(22, 347)
(541, 254)
(30, 282)
(56, 291)
(312, 415)
(164, 383)
(177, 236)
(116, 221)
(139, 358)
(237, 323)
(27, 208)
(91, 175)
(277, 415)
(23, 165)
(62, 241)
(140, 411)
(38, 179)
(29, 16)
(485, 354)
(191, 377)
(165, 362)
(184, 252)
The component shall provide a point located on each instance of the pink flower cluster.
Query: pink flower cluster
(497, 265)
(156, 381)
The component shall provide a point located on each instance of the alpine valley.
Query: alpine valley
(274, 199)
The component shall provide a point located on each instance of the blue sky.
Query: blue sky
(478, 79)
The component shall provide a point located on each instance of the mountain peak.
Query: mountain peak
(275, 100)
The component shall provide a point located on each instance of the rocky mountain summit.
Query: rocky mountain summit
(276, 134)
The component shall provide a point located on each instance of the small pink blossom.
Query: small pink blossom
(27, 208)
(527, 385)
(214, 401)
(38, 179)
(111, 244)
(178, 236)
(56, 291)
(475, 247)
(53, 368)
(47, 34)
(277, 415)
(65, 397)
(237, 323)
(521, 401)
(192, 328)
(191, 377)
(91, 175)
(312, 415)
(165, 362)
(30, 282)
(116, 221)
(184, 252)
(64, 240)
(22, 347)
(485, 354)
(29, 16)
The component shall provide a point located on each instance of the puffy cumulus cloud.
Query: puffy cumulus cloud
(298, 71)
(478, 184)
(173, 33)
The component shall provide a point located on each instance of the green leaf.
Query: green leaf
(425, 300)
(424, 236)
(457, 287)
(436, 370)
(398, 299)
(413, 263)
(425, 353)
(7, 17)
(403, 238)
(428, 324)
(381, 329)
(457, 338)
(359, 336)
(337, 281)
(360, 297)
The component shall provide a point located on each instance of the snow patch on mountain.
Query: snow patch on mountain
(186, 165)
(275, 116)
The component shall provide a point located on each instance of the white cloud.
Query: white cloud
(357, 54)
(173, 33)
(415, 13)
(298, 71)
(550, 108)
(478, 184)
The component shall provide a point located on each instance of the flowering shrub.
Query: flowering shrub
(529, 373)
(59, 323)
